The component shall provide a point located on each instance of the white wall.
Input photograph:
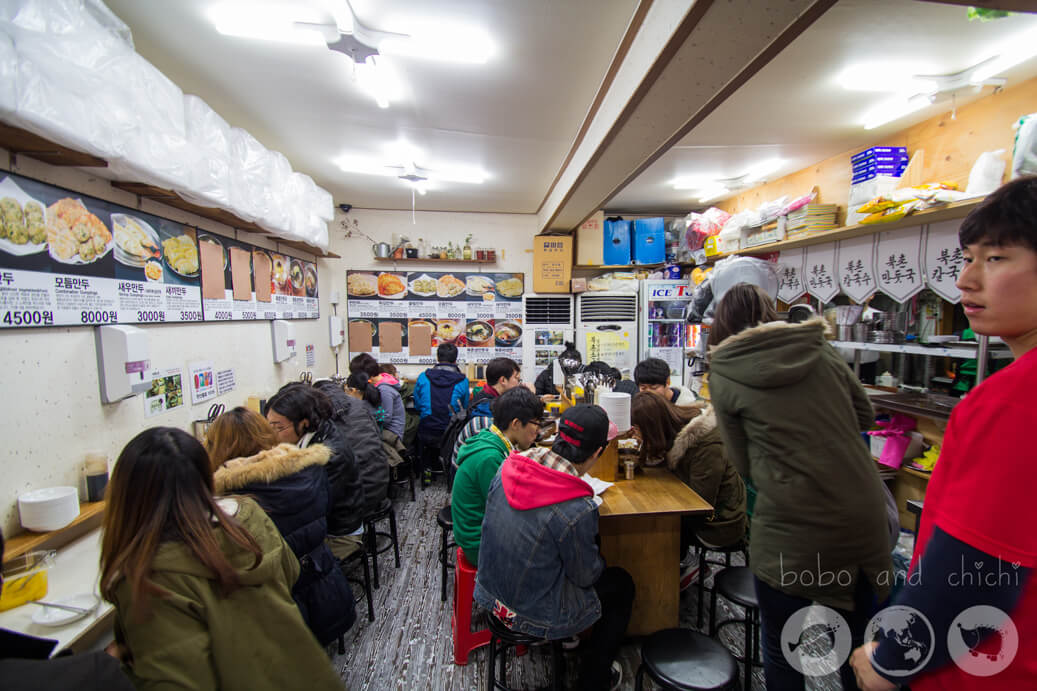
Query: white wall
(50, 403)
(510, 234)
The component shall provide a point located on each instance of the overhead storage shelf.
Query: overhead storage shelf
(943, 213)
(23, 143)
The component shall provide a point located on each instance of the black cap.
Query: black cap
(584, 426)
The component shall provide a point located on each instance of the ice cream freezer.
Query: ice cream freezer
(663, 331)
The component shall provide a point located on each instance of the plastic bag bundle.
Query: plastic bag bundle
(703, 225)
(247, 175)
(700, 301)
(209, 181)
(8, 75)
(733, 270)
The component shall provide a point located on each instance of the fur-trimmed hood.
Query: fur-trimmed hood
(770, 355)
(699, 426)
(268, 466)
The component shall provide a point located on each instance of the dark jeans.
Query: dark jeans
(428, 451)
(615, 590)
(775, 609)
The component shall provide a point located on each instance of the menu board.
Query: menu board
(68, 258)
(402, 317)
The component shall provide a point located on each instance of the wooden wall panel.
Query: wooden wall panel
(951, 146)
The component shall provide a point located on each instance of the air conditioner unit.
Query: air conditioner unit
(548, 322)
(606, 328)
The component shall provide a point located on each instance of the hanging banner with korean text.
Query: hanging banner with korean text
(856, 262)
(898, 263)
(819, 271)
(790, 275)
(943, 259)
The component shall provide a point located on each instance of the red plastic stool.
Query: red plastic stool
(465, 640)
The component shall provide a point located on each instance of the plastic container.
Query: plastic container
(25, 578)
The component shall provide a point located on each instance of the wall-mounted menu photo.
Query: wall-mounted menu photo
(406, 316)
(67, 258)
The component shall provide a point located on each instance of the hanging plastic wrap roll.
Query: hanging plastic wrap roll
(322, 203)
(247, 174)
(8, 75)
(209, 180)
(277, 212)
(66, 50)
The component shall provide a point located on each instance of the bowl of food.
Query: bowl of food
(310, 282)
(295, 273)
(279, 273)
(181, 255)
(153, 270)
(479, 333)
(508, 334)
(448, 330)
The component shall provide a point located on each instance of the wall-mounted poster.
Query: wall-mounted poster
(68, 258)
(402, 317)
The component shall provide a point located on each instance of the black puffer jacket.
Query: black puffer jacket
(345, 513)
(291, 486)
(359, 428)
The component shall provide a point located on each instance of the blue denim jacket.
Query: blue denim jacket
(538, 564)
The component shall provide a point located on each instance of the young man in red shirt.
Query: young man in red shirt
(977, 547)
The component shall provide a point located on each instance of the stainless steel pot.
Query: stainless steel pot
(381, 250)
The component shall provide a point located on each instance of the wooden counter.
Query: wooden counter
(640, 528)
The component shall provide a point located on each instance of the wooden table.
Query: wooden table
(640, 529)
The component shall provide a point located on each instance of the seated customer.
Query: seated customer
(516, 420)
(653, 375)
(201, 587)
(540, 572)
(440, 391)
(388, 386)
(502, 374)
(301, 415)
(688, 439)
(290, 485)
(357, 424)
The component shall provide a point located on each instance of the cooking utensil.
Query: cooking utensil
(381, 250)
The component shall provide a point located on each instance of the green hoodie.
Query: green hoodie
(478, 461)
(251, 640)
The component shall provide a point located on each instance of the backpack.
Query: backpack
(453, 429)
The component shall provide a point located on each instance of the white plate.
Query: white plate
(75, 257)
(124, 257)
(424, 293)
(52, 616)
(10, 188)
(474, 280)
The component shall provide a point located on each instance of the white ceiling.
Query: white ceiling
(794, 108)
(517, 115)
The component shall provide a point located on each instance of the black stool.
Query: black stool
(700, 551)
(736, 585)
(915, 507)
(445, 519)
(371, 535)
(361, 556)
(501, 638)
(684, 660)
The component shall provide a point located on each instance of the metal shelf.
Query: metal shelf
(938, 351)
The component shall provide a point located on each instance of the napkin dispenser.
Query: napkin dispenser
(122, 361)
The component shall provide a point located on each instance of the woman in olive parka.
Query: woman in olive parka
(791, 412)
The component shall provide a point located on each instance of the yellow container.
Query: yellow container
(25, 578)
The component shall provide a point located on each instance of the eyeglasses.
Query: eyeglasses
(280, 426)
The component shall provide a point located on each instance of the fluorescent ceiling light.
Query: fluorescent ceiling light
(442, 42)
(268, 22)
(1009, 53)
(894, 109)
(378, 79)
(712, 193)
(394, 166)
(696, 182)
(887, 77)
(762, 170)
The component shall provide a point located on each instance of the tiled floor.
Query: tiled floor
(409, 645)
